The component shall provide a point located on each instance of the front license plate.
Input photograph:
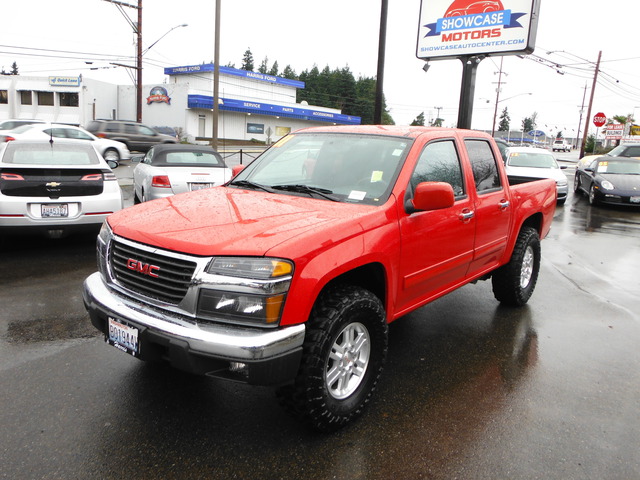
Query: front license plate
(634, 199)
(123, 337)
(48, 210)
(200, 186)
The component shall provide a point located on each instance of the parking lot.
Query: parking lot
(471, 389)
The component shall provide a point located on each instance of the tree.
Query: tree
(274, 69)
(419, 121)
(527, 124)
(559, 134)
(263, 66)
(14, 68)
(503, 126)
(289, 73)
(437, 122)
(247, 61)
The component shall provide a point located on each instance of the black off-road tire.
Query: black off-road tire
(314, 397)
(513, 283)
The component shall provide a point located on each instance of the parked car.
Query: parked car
(11, 124)
(614, 180)
(168, 131)
(170, 169)
(624, 150)
(560, 145)
(534, 162)
(55, 187)
(136, 136)
(502, 146)
(111, 150)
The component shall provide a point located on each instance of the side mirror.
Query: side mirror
(563, 167)
(137, 158)
(589, 169)
(432, 196)
(113, 164)
(236, 169)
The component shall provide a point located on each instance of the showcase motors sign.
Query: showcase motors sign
(476, 27)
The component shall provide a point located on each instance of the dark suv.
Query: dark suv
(136, 136)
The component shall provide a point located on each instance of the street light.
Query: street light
(495, 111)
(167, 33)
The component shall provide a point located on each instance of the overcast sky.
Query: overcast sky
(339, 33)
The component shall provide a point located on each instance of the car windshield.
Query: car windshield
(334, 166)
(184, 159)
(22, 128)
(50, 154)
(532, 160)
(618, 167)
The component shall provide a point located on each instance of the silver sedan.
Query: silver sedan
(169, 169)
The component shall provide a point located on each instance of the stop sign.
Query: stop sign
(599, 119)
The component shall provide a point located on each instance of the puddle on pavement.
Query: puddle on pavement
(38, 331)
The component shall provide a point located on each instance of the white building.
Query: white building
(252, 106)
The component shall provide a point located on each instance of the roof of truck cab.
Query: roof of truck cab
(392, 130)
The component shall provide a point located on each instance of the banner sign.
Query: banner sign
(472, 27)
(209, 67)
(614, 131)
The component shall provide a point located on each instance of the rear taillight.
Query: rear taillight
(6, 138)
(92, 177)
(109, 176)
(11, 176)
(161, 181)
(101, 135)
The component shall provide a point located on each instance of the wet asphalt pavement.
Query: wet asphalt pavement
(471, 390)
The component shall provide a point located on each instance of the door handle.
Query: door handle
(503, 204)
(466, 215)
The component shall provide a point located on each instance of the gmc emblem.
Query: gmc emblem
(144, 268)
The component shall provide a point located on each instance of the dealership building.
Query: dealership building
(252, 106)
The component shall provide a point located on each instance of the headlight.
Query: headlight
(250, 267)
(607, 185)
(245, 290)
(105, 233)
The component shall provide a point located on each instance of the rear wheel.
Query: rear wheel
(577, 184)
(111, 154)
(513, 283)
(343, 355)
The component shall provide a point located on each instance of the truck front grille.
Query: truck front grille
(155, 274)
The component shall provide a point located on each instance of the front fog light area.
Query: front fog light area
(240, 307)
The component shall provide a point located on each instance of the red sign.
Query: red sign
(599, 119)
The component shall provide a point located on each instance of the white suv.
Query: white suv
(560, 144)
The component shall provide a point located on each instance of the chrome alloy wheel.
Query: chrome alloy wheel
(526, 272)
(348, 361)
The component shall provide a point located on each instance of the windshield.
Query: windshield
(332, 166)
(45, 153)
(618, 167)
(532, 160)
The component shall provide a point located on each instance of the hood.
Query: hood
(630, 183)
(230, 221)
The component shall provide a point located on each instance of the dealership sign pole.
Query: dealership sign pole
(470, 30)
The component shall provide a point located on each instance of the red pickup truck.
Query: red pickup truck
(289, 274)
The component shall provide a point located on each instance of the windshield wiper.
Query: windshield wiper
(323, 192)
(248, 184)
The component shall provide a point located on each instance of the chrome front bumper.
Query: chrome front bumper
(268, 356)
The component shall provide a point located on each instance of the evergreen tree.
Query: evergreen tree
(274, 69)
(289, 73)
(419, 121)
(14, 69)
(263, 66)
(503, 126)
(247, 61)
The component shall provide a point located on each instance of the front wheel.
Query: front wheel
(513, 283)
(593, 200)
(343, 355)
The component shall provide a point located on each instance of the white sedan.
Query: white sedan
(169, 169)
(111, 150)
(536, 163)
(55, 188)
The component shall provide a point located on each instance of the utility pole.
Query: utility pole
(438, 114)
(495, 111)
(216, 78)
(593, 89)
(139, 65)
(584, 95)
(377, 110)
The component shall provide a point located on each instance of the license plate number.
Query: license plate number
(54, 210)
(634, 199)
(123, 337)
(200, 186)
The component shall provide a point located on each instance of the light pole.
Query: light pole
(167, 33)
